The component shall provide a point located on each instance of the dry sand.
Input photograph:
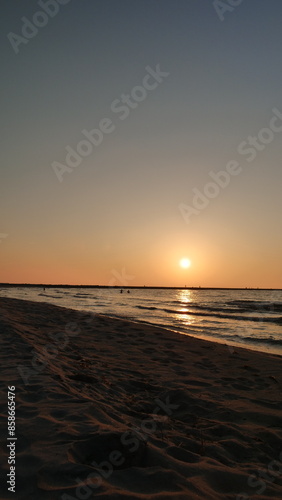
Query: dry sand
(122, 410)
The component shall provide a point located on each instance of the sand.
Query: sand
(108, 408)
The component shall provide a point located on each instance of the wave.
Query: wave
(257, 305)
(206, 307)
(242, 339)
(49, 296)
(238, 306)
(228, 316)
(221, 315)
(267, 340)
(151, 308)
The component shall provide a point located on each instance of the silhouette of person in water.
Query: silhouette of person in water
(121, 290)
(128, 291)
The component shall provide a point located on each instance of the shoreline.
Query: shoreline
(171, 416)
(229, 345)
(256, 346)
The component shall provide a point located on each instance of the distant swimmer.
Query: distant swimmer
(128, 291)
(121, 291)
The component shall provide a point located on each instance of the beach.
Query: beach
(116, 409)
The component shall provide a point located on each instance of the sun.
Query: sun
(185, 263)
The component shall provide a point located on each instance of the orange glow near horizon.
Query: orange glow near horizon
(74, 254)
(159, 265)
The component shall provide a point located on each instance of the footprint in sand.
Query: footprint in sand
(98, 447)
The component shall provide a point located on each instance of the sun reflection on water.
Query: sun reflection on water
(185, 298)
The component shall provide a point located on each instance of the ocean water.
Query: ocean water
(248, 318)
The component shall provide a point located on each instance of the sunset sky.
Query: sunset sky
(180, 94)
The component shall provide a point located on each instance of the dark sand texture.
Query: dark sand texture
(147, 413)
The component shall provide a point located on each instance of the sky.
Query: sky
(182, 102)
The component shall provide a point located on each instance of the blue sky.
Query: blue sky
(120, 207)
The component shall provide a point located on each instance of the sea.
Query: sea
(247, 318)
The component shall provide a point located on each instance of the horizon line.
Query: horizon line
(44, 285)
